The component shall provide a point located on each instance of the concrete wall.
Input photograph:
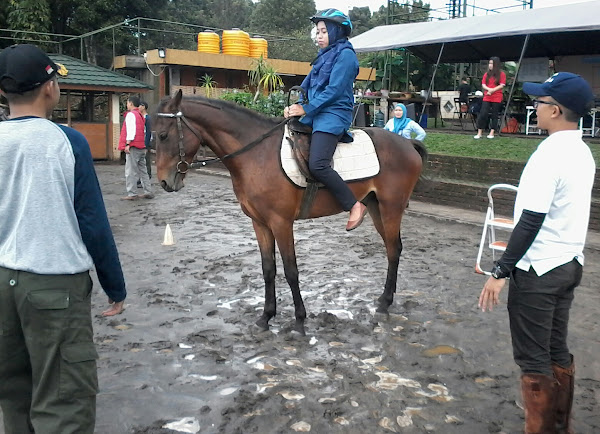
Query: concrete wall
(463, 182)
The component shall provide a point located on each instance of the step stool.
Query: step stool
(491, 224)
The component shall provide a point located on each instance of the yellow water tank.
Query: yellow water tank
(258, 47)
(208, 42)
(236, 42)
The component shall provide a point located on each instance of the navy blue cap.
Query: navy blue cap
(23, 67)
(568, 89)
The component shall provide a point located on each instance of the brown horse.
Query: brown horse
(248, 145)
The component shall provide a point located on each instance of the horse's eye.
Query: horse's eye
(162, 136)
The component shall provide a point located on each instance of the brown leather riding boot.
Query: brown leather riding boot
(564, 397)
(538, 399)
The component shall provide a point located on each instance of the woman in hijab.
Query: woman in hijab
(404, 126)
(329, 87)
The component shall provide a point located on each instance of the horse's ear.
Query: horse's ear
(175, 102)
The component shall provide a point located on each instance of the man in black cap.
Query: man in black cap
(53, 230)
(544, 256)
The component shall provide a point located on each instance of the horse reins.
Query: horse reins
(179, 116)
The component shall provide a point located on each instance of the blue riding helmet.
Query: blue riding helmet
(334, 16)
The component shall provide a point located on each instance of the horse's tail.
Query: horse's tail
(420, 148)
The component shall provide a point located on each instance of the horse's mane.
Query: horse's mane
(236, 110)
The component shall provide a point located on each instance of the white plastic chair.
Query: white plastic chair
(491, 225)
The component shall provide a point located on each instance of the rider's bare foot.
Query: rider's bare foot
(357, 214)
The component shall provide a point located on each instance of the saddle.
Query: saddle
(300, 135)
(299, 139)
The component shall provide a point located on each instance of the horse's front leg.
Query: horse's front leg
(266, 244)
(284, 234)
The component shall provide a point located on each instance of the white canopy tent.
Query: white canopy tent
(556, 31)
(547, 32)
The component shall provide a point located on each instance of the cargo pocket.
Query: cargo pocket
(49, 299)
(78, 375)
(49, 310)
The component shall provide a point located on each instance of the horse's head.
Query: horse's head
(177, 142)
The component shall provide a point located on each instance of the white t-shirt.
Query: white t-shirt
(557, 181)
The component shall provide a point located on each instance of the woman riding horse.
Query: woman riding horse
(329, 106)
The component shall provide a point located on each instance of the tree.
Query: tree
(282, 17)
(227, 14)
(361, 20)
(299, 47)
(401, 13)
(30, 16)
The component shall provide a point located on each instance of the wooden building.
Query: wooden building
(92, 101)
(169, 70)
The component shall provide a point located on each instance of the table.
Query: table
(432, 108)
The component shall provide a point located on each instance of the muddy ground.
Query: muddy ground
(185, 346)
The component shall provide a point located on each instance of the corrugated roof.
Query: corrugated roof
(85, 75)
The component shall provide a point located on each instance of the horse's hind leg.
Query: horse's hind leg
(285, 241)
(388, 226)
(266, 244)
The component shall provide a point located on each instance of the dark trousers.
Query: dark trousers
(48, 379)
(149, 162)
(538, 308)
(489, 110)
(322, 148)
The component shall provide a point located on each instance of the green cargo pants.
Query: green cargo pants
(48, 377)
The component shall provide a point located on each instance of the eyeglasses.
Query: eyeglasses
(537, 102)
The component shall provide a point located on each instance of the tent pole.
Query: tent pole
(431, 86)
(512, 87)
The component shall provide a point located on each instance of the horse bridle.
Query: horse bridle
(179, 117)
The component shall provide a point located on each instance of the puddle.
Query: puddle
(440, 350)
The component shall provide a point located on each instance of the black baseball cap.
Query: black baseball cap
(23, 67)
(568, 89)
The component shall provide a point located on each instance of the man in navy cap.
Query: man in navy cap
(53, 230)
(544, 256)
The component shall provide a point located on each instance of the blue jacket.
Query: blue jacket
(330, 106)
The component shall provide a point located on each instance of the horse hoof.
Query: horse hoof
(262, 325)
(299, 329)
(383, 310)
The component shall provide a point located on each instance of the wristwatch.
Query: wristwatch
(498, 273)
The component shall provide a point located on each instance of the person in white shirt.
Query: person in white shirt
(544, 256)
(403, 125)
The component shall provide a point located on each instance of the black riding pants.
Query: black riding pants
(322, 148)
(489, 110)
(538, 308)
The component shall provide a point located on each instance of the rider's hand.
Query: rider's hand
(286, 112)
(296, 110)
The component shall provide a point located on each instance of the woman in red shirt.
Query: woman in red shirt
(492, 84)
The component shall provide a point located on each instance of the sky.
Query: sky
(441, 5)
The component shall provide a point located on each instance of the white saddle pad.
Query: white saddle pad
(356, 160)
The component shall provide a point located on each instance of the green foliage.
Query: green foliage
(361, 20)
(270, 105)
(264, 77)
(209, 84)
(30, 16)
(299, 47)
(281, 17)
